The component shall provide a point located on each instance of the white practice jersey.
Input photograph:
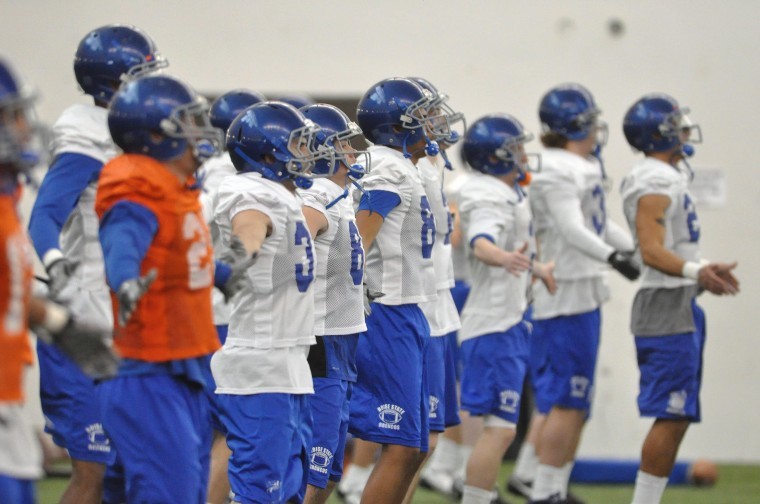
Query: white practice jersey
(400, 260)
(568, 203)
(214, 171)
(83, 129)
(338, 295)
(652, 176)
(498, 299)
(272, 320)
(441, 314)
(20, 452)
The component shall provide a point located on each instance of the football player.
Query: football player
(159, 265)
(668, 324)
(339, 299)
(261, 372)
(573, 231)
(221, 114)
(64, 229)
(441, 314)
(390, 401)
(20, 461)
(497, 224)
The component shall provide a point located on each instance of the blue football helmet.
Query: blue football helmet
(279, 130)
(394, 113)
(18, 125)
(656, 123)
(112, 54)
(226, 108)
(160, 116)
(298, 101)
(338, 131)
(570, 111)
(442, 118)
(494, 145)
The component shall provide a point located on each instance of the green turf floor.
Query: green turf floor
(737, 484)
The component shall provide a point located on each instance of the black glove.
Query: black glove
(59, 272)
(130, 293)
(369, 298)
(239, 261)
(624, 264)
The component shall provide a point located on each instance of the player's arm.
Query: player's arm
(484, 249)
(316, 221)
(59, 193)
(126, 232)
(565, 208)
(252, 227)
(618, 237)
(374, 207)
(650, 228)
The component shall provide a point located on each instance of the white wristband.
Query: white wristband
(51, 256)
(691, 270)
(56, 317)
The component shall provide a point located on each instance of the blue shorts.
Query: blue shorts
(390, 400)
(210, 388)
(159, 424)
(571, 347)
(451, 378)
(442, 385)
(270, 436)
(17, 491)
(71, 407)
(494, 372)
(329, 411)
(671, 372)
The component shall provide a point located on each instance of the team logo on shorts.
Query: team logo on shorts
(433, 407)
(677, 403)
(273, 486)
(390, 415)
(579, 386)
(321, 459)
(509, 400)
(98, 441)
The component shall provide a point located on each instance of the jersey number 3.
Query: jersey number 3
(305, 269)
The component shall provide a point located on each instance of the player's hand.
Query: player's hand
(516, 262)
(369, 298)
(239, 260)
(624, 264)
(545, 272)
(130, 293)
(59, 272)
(718, 279)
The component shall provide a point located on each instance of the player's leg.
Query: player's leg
(329, 409)
(354, 480)
(72, 411)
(392, 475)
(219, 484)
(162, 451)
(494, 372)
(571, 353)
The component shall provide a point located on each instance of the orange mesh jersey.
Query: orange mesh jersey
(173, 320)
(16, 273)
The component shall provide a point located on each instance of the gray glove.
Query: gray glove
(59, 272)
(239, 261)
(85, 344)
(130, 293)
(369, 298)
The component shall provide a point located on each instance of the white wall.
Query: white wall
(490, 56)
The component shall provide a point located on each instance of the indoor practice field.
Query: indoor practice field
(737, 484)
